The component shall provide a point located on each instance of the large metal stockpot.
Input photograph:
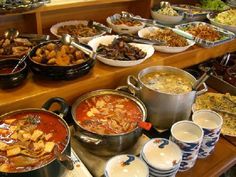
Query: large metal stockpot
(106, 145)
(57, 166)
(164, 109)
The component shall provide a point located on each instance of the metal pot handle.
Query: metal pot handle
(63, 159)
(132, 79)
(126, 89)
(87, 139)
(203, 90)
(64, 106)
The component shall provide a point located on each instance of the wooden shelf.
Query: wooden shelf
(36, 90)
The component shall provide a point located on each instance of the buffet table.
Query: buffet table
(35, 91)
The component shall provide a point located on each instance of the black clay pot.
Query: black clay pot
(11, 80)
(59, 72)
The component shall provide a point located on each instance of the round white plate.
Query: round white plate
(106, 40)
(165, 49)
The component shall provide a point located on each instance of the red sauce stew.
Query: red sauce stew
(108, 114)
(27, 140)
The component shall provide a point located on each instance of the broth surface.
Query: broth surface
(167, 82)
(108, 114)
(27, 140)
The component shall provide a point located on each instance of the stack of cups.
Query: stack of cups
(188, 136)
(211, 123)
(162, 156)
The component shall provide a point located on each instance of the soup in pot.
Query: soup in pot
(27, 140)
(167, 82)
(108, 114)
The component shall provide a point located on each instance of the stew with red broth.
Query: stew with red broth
(108, 114)
(27, 140)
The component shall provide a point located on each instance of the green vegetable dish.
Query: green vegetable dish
(216, 5)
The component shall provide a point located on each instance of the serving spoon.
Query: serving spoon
(11, 33)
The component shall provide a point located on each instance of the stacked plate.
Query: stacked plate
(162, 156)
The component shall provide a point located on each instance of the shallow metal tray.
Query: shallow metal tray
(228, 36)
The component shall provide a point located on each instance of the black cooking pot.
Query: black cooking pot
(57, 166)
(59, 72)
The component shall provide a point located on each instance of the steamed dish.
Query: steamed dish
(27, 141)
(227, 18)
(167, 82)
(108, 114)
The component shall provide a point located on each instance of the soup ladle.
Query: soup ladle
(19, 62)
(202, 79)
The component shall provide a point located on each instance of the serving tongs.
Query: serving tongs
(99, 27)
(156, 24)
(68, 40)
(129, 38)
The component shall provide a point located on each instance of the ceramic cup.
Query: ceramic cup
(188, 136)
(126, 165)
(211, 123)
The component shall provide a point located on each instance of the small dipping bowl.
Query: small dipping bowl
(126, 166)
(11, 80)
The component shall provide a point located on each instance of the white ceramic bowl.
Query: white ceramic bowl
(166, 19)
(105, 40)
(162, 154)
(55, 27)
(126, 166)
(227, 27)
(123, 29)
(164, 49)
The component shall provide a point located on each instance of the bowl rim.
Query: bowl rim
(13, 59)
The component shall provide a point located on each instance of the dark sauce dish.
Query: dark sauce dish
(53, 72)
(11, 80)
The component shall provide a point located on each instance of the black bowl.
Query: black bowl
(8, 79)
(59, 72)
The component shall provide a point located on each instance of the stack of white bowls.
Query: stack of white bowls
(162, 156)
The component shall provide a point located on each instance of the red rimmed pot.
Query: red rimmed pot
(107, 144)
(61, 161)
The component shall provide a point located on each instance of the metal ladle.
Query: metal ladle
(202, 79)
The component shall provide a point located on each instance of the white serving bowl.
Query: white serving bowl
(164, 49)
(55, 27)
(227, 27)
(162, 154)
(123, 29)
(126, 166)
(106, 40)
(166, 19)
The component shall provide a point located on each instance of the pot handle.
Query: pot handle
(203, 90)
(126, 89)
(64, 106)
(63, 159)
(132, 81)
(87, 139)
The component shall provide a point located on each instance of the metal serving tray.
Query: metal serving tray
(228, 36)
(191, 16)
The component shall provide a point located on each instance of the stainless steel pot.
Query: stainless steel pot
(106, 145)
(164, 109)
(57, 166)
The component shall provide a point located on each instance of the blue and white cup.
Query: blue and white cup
(211, 123)
(188, 136)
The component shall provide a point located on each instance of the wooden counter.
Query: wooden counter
(36, 91)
